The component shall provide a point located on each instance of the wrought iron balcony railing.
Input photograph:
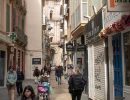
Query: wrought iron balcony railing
(21, 36)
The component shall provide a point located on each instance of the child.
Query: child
(28, 93)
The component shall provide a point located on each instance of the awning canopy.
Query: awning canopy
(117, 26)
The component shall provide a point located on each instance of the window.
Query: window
(126, 40)
(84, 9)
(23, 23)
(14, 17)
(7, 18)
(1, 13)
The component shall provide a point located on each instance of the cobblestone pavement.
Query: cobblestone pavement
(59, 92)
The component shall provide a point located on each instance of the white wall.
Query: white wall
(33, 29)
(55, 24)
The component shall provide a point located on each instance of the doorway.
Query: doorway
(2, 67)
(117, 64)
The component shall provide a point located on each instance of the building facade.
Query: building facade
(5, 41)
(33, 29)
(13, 39)
(118, 50)
(51, 11)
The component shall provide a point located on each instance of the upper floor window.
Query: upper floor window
(1, 14)
(84, 9)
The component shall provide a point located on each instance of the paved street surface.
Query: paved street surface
(59, 92)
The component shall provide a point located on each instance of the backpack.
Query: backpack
(78, 82)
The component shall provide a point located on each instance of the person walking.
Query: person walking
(42, 71)
(28, 93)
(20, 78)
(11, 82)
(36, 74)
(58, 73)
(48, 70)
(76, 85)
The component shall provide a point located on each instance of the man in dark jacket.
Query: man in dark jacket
(58, 73)
(20, 78)
(76, 85)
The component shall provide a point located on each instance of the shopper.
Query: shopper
(20, 78)
(36, 74)
(58, 73)
(76, 84)
(11, 82)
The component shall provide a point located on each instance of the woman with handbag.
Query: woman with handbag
(11, 82)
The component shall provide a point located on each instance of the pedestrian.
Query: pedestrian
(11, 82)
(42, 71)
(28, 93)
(48, 70)
(61, 70)
(36, 74)
(20, 78)
(76, 85)
(58, 73)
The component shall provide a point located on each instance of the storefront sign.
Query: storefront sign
(36, 61)
(93, 27)
(80, 47)
(118, 5)
(79, 61)
(111, 17)
(69, 47)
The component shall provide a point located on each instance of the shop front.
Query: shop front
(117, 29)
(4, 42)
(96, 59)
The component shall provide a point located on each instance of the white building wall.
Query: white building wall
(55, 31)
(33, 29)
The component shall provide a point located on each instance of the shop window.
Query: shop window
(126, 39)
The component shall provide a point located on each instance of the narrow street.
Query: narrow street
(59, 92)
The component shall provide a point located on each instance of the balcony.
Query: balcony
(21, 36)
(21, 7)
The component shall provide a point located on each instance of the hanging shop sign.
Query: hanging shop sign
(93, 27)
(118, 5)
(36, 61)
(80, 47)
(13, 36)
(69, 47)
(79, 61)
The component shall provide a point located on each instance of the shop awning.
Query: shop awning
(117, 26)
